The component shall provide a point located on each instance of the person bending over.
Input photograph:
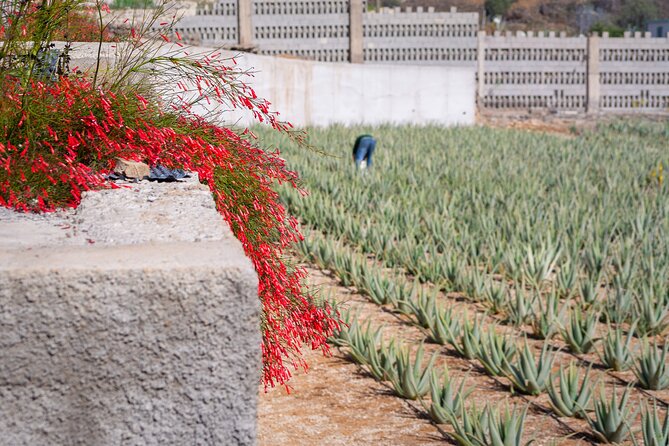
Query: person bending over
(362, 151)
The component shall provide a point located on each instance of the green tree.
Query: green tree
(635, 14)
(497, 7)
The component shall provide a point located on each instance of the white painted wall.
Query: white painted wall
(310, 93)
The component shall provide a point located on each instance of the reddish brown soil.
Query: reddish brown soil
(337, 402)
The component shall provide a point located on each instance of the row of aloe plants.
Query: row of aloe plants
(444, 325)
(571, 395)
(497, 354)
(563, 238)
(598, 236)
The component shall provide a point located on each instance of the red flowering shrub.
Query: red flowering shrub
(59, 136)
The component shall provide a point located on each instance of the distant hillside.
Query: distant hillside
(558, 15)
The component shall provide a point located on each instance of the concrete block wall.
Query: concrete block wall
(321, 30)
(514, 71)
(214, 24)
(634, 73)
(527, 70)
(133, 320)
(314, 30)
(311, 93)
(420, 36)
(594, 74)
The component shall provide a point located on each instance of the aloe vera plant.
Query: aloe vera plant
(410, 380)
(342, 335)
(539, 263)
(651, 313)
(493, 350)
(566, 279)
(616, 353)
(579, 334)
(545, 320)
(468, 428)
(618, 305)
(654, 431)
(424, 308)
(447, 398)
(444, 327)
(503, 426)
(519, 308)
(527, 374)
(588, 292)
(361, 341)
(651, 368)
(495, 296)
(611, 423)
(381, 361)
(573, 394)
(468, 342)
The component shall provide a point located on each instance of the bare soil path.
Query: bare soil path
(338, 403)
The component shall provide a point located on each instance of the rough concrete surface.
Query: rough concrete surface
(132, 320)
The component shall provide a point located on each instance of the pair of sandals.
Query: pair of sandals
(158, 173)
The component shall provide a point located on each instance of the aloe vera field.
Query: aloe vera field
(505, 286)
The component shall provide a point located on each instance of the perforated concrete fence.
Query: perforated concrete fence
(315, 30)
(525, 71)
(597, 74)
(321, 30)
(634, 73)
(532, 71)
(420, 37)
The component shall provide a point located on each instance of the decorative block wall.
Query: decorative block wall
(514, 71)
(634, 73)
(534, 71)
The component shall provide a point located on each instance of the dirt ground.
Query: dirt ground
(338, 403)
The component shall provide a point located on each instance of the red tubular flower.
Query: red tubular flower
(91, 128)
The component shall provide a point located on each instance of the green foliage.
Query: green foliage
(655, 432)
(546, 319)
(495, 296)
(519, 308)
(410, 380)
(468, 427)
(514, 207)
(382, 361)
(651, 311)
(502, 426)
(571, 398)
(611, 423)
(651, 368)
(468, 342)
(579, 334)
(444, 327)
(361, 341)
(494, 350)
(493, 426)
(616, 354)
(613, 30)
(635, 14)
(447, 398)
(133, 4)
(497, 7)
(527, 375)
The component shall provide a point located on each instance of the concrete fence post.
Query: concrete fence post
(592, 74)
(355, 32)
(245, 23)
(480, 69)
